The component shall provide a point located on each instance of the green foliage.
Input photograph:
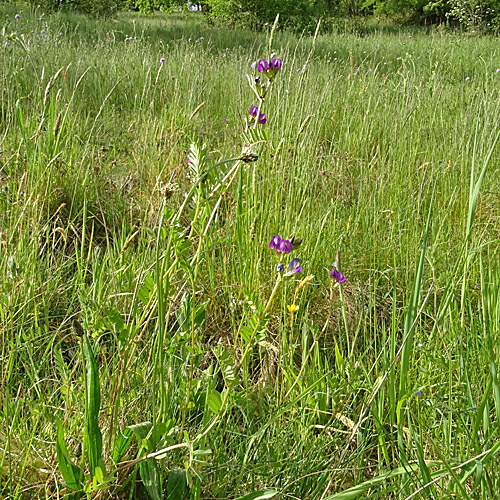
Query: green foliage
(71, 474)
(258, 13)
(475, 15)
(259, 495)
(472, 15)
(93, 437)
(191, 348)
(94, 8)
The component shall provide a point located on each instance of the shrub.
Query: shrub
(95, 8)
(474, 15)
(255, 13)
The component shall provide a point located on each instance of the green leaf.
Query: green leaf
(122, 442)
(142, 430)
(93, 436)
(185, 315)
(359, 489)
(246, 333)
(151, 478)
(98, 475)
(70, 472)
(177, 485)
(258, 495)
(146, 289)
(214, 401)
(424, 469)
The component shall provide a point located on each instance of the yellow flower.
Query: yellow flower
(292, 308)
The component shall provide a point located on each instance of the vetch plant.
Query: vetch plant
(280, 245)
(294, 267)
(337, 275)
(254, 111)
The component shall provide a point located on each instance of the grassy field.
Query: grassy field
(140, 306)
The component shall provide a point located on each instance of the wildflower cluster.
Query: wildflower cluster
(283, 246)
(268, 68)
(337, 275)
(253, 111)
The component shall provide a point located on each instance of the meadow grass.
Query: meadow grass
(380, 147)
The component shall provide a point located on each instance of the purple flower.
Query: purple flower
(224, 119)
(467, 79)
(275, 63)
(285, 246)
(263, 65)
(280, 245)
(280, 268)
(275, 240)
(162, 60)
(337, 275)
(253, 112)
(17, 16)
(253, 64)
(419, 394)
(295, 266)
(202, 133)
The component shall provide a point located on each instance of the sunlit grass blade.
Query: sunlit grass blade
(71, 473)
(411, 313)
(93, 436)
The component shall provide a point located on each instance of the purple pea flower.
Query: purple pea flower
(337, 275)
(284, 246)
(262, 118)
(280, 245)
(263, 65)
(162, 60)
(295, 266)
(275, 240)
(280, 268)
(253, 111)
(275, 63)
(17, 16)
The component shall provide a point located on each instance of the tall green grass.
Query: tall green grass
(381, 147)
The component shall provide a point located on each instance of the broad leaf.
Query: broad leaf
(70, 472)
